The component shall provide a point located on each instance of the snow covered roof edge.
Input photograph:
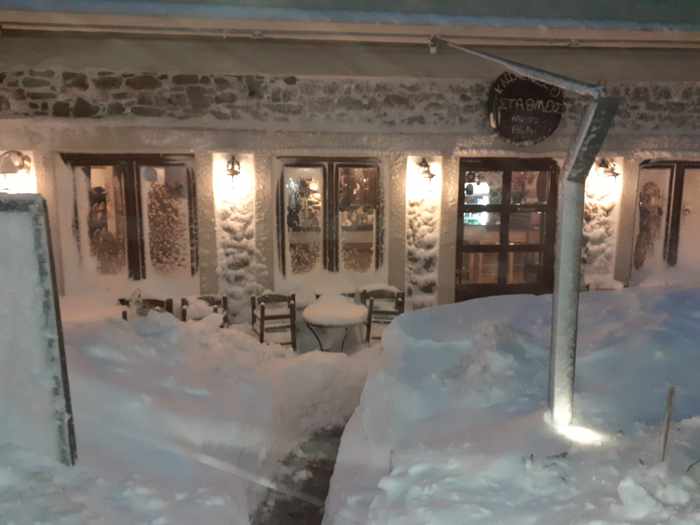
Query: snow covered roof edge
(684, 17)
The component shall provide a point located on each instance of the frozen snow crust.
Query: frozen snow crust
(450, 428)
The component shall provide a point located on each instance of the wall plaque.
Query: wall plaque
(524, 111)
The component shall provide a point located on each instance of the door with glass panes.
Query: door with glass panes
(506, 224)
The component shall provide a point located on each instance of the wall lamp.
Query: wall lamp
(13, 161)
(424, 165)
(609, 167)
(233, 166)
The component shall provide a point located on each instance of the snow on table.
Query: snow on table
(334, 310)
(177, 423)
(451, 428)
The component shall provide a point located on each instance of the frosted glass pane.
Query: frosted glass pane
(106, 220)
(479, 268)
(524, 267)
(526, 228)
(482, 187)
(529, 187)
(357, 239)
(166, 221)
(303, 211)
(482, 228)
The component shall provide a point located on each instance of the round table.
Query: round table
(334, 312)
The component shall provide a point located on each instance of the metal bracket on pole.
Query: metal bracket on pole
(595, 125)
(562, 82)
(597, 121)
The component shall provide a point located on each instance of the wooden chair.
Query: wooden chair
(218, 303)
(160, 305)
(274, 313)
(383, 305)
(349, 295)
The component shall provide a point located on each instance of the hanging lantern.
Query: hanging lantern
(233, 166)
(424, 165)
(15, 173)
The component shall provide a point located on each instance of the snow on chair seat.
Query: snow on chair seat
(141, 306)
(197, 308)
(274, 313)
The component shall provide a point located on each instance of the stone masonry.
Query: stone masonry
(409, 104)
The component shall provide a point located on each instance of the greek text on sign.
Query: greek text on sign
(524, 111)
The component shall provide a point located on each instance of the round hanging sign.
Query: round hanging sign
(524, 111)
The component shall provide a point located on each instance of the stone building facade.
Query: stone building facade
(309, 108)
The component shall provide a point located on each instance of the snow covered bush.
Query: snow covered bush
(240, 266)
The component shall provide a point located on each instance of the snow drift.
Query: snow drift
(451, 427)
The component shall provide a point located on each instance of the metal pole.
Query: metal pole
(534, 73)
(594, 128)
(567, 282)
(567, 278)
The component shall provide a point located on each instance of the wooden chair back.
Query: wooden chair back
(162, 305)
(349, 295)
(377, 311)
(218, 303)
(274, 313)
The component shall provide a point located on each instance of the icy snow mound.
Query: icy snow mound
(156, 324)
(450, 427)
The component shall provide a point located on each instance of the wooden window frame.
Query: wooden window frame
(331, 237)
(128, 165)
(674, 204)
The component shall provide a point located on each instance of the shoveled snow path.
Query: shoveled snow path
(176, 423)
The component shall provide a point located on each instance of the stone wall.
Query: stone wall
(283, 102)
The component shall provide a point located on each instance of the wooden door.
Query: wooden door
(506, 222)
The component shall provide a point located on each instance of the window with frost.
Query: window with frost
(134, 216)
(330, 216)
(667, 217)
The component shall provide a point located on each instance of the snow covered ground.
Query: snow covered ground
(177, 423)
(451, 429)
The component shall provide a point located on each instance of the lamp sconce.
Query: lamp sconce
(609, 167)
(233, 166)
(433, 45)
(424, 165)
(13, 161)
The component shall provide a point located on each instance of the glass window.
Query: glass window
(526, 227)
(357, 239)
(529, 187)
(479, 268)
(482, 228)
(332, 217)
(482, 188)
(166, 220)
(303, 211)
(524, 267)
(106, 219)
(134, 219)
(357, 204)
(357, 187)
